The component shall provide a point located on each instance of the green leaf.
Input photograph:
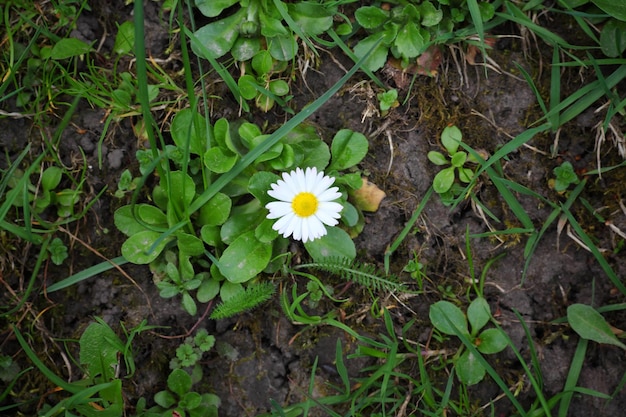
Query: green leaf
(51, 178)
(378, 55)
(259, 183)
(451, 137)
(136, 247)
(443, 180)
(125, 38)
(614, 8)
(283, 47)
(410, 41)
(99, 347)
(458, 159)
(279, 87)
(478, 314)
(127, 224)
(218, 37)
(492, 341)
(208, 290)
(219, 160)
(262, 63)
(437, 158)
(189, 304)
(589, 324)
(243, 219)
(311, 153)
(347, 149)
(337, 243)
(371, 17)
(179, 382)
(448, 318)
(213, 8)
(184, 130)
(468, 369)
(313, 19)
(216, 211)
(68, 48)
(164, 399)
(189, 244)
(245, 258)
(58, 251)
(613, 38)
(245, 48)
(247, 86)
(431, 16)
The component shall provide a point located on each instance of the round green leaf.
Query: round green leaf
(378, 55)
(129, 225)
(219, 36)
(312, 18)
(468, 369)
(136, 247)
(245, 258)
(448, 318)
(437, 158)
(443, 180)
(259, 183)
(458, 159)
(262, 62)
(51, 178)
(371, 17)
(213, 8)
(211, 235)
(245, 48)
(184, 130)
(311, 153)
(179, 382)
(125, 38)
(216, 211)
(410, 41)
(347, 149)
(229, 290)
(279, 87)
(478, 314)
(492, 341)
(219, 160)
(208, 290)
(283, 47)
(337, 244)
(189, 244)
(451, 137)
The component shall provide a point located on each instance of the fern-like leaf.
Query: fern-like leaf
(356, 272)
(249, 298)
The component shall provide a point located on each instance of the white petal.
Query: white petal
(305, 230)
(328, 218)
(322, 185)
(284, 225)
(278, 209)
(329, 195)
(316, 228)
(297, 228)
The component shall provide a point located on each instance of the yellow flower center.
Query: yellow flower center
(304, 204)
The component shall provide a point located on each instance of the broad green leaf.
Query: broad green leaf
(478, 314)
(189, 304)
(243, 218)
(615, 8)
(181, 190)
(347, 149)
(245, 48)
(148, 214)
(283, 47)
(431, 16)
(451, 137)
(443, 180)
(188, 128)
(99, 349)
(68, 48)
(179, 382)
(285, 160)
(51, 178)
(589, 324)
(337, 244)
(378, 55)
(271, 26)
(208, 290)
(313, 18)
(218, 37)
(262, 63)
(136, 248)
(279, 87)
(458, 159)
(211, 235)
(245, 258)
(448, 318)
(491, 341)
(216, 211)
(259, 183)
(189, 245)
(247, 86)
(468, 369)
(410, 41)
(311, 153)
(230, 289)
(265, 232)
(371, 17)
(125, 38)
(213, 8)
(437, 158)
(219, 160)
(613, 38)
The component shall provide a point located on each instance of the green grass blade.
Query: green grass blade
(86, 274)
(572, 376)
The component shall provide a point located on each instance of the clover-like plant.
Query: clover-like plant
(444, 180)
(450, 320)
(407, 28)
(257, 83)
(565, 175)
(229, 241)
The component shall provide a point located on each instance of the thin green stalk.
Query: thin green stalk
(575, 369)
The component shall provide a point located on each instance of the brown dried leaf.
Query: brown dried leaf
(368, 197)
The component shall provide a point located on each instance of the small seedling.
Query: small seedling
(257, 84)
(565, 175)
(444, 181)
(450, 320)
(388, 100)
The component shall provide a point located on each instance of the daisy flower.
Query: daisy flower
(305, 204)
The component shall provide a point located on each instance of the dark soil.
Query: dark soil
(274, 357)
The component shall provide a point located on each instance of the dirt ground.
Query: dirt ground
(274, 357)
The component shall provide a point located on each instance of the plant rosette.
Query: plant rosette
(450, 320)
(297, 189)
